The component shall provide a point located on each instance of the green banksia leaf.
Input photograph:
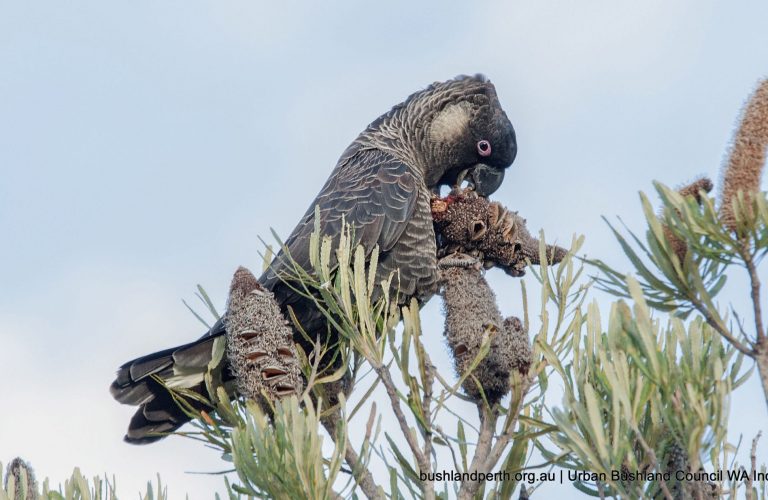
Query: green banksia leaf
(280, 454)
(643, 381)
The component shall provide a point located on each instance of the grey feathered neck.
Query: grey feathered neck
(405, 124)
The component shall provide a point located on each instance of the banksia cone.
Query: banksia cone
(517, 348)
(694, 189)
(259, 342)
(676, 458)
(747, 159)
(470, 310)
(14, 471)
(467, 223)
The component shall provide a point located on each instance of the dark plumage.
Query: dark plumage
(382, 186)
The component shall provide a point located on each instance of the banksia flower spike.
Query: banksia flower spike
(259, 342)
(470, 311)
(744, 168)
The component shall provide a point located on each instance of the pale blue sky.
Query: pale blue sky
(145, 146)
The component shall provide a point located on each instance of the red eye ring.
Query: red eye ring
(483, 148)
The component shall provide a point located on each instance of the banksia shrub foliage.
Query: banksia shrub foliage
(261, 441)
(276, 453)
(643, 399)
(689, 251)
(716, 241)
(19, 484)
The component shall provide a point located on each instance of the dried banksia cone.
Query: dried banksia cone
(517, 347)
(529, 247)
(747, 158)
(470, 310)
(470, 224)
(260, 345)
(694, 189)
(14, 471)
(676, 460)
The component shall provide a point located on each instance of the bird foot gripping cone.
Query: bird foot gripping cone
(260, 345)
(474, 233)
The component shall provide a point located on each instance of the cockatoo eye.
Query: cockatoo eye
(483, 148)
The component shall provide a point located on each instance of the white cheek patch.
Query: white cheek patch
(451, 123)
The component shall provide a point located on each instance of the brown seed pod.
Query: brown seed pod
(470, 311)
(470, 224)
(260, 345)
(519, 355)
(676, 461)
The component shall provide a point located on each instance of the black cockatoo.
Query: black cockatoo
(381, 186)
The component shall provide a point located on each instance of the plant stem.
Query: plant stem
(426, 404)
(761, 358)
(755, 293)
(753, 463)
(488, 418)
(503, 439)
(654, 463)
(761, 342)
(422, 461)
(362, 475)
(719, 328)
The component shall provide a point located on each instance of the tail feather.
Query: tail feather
(142, 368)
(194, 356)
(182, 367)
(135, 394)
(158, 417)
